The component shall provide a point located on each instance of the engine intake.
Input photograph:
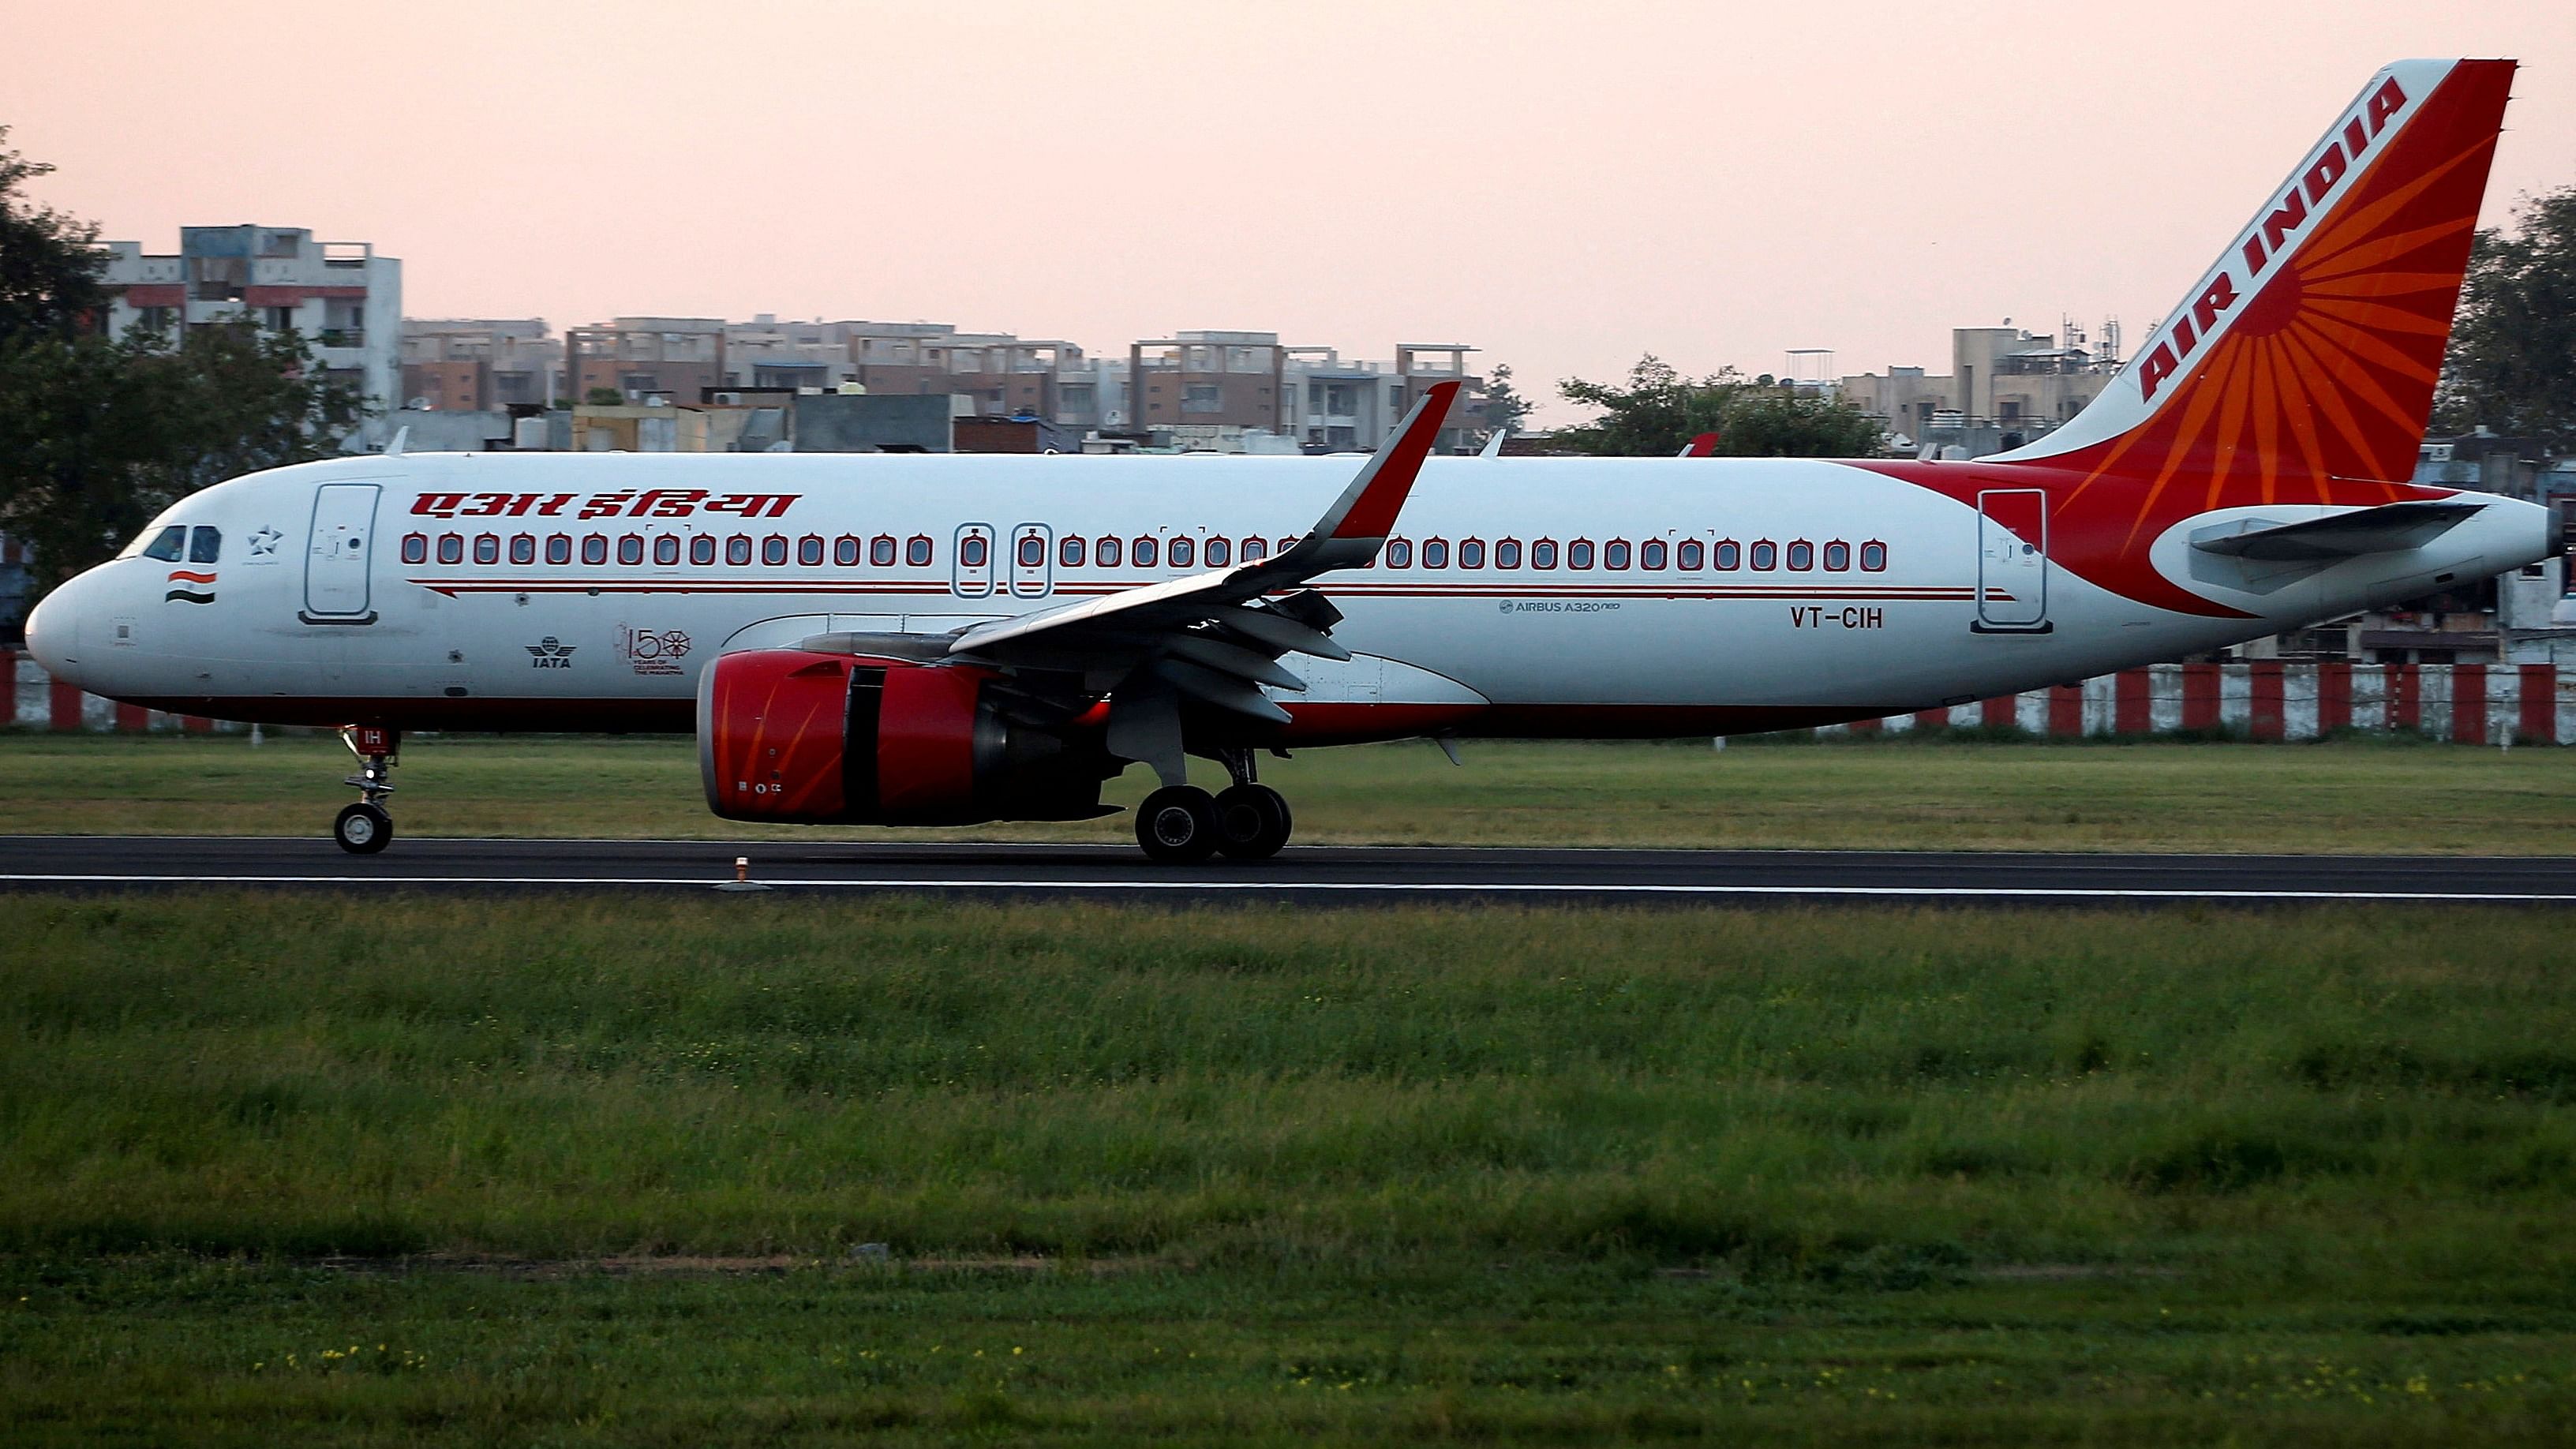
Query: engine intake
(792, 735)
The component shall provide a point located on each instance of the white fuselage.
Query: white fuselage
(471, 591)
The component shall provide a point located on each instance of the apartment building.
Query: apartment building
(1250, 380)
(641, 359)
(480, 364)
(344, 299)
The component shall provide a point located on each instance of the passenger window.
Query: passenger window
(559, 548)
(451, 548)
(1766, 554)
(1255, 549)
(523, 548)
(415, 548)
(1286, 544)
(1069, 552)
(1471, 554)
(1650, 555)
(881, 550)
(1730, 554)
(1614, 554)
(1032, 551)
(971, 551)
(1106, 555)
(1802, 554)
(487, 548)
(1543, 554)
(205, 545)
(702, 549)
(1219, 553)
(1144, 554)
(916, 550)
(169, 546)
(1838, 555)
(1184, 551)
(1873, 556)
(666, 548)
(1507, 554)
(1399, 554)
(773, 550)
(630, 548)
(809, 550)
(594, 548)
(1578, 554)
(738, 549)
(1692, 554)
(1435, 553)
(845, 551)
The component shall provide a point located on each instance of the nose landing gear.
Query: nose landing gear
(367, 827)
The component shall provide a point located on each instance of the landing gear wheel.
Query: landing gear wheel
(1177, 825)
(363, 829)
(1252, 822)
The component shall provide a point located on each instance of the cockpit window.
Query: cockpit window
(205, 545)
(167, 548)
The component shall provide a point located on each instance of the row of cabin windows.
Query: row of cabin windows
(1144, 552)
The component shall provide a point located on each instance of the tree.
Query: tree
(1505, 408)
(2512, 359)
(49, 263)
(99, 434)
(604, 397)
(1660, 411)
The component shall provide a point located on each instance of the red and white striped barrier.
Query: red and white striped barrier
(2469, 703)
(38, 701)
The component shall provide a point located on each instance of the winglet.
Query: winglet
(1702, 446)
(1367, 509)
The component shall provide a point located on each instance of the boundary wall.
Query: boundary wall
(2475, 704)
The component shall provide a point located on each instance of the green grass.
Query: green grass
(594, 1171)
(2353, 796)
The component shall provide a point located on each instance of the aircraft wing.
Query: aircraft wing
(2389, 528)
(1215, 636)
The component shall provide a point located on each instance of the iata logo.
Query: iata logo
(550, 653)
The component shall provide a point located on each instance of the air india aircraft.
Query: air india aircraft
(938, 640)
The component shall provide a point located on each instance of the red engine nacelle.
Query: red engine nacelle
(796, 736)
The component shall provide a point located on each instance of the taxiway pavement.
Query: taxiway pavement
(1309, 874)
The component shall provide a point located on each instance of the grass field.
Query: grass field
(286, 1169)
(2345, 796)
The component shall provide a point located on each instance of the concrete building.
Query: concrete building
(2005, 386)
(343, 298)
(479, 364)
(1250, 381)
(644, 359)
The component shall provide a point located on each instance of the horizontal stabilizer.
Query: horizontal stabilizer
(2389, 528)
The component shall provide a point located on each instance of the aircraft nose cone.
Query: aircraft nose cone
(53, 631)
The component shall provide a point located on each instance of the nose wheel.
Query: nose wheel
(367, 827)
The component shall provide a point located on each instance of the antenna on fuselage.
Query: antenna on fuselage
(401, 435)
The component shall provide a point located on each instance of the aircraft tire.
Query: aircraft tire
(1177, 825)
(363, 829)
(1253, 822)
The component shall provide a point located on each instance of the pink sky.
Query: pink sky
(1565, 186)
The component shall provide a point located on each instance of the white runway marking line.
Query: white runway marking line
(1370, 887)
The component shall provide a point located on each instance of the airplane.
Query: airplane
(935, 640)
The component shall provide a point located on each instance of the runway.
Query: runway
(1310, 874)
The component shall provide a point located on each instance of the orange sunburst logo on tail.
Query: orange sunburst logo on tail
(2302, 370)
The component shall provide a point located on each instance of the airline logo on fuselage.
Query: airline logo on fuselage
(625, 503)
(2271, 237)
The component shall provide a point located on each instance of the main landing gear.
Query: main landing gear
(367, 827)
(1184, 825)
